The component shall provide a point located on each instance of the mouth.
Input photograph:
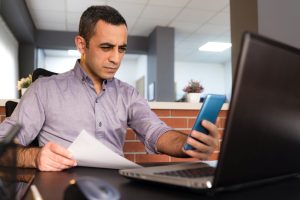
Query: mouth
(111, 69)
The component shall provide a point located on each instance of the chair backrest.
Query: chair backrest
(11, 105)
(40, 72)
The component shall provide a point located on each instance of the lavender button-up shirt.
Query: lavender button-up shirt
(57, 108)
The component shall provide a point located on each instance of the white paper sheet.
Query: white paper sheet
(90, 152)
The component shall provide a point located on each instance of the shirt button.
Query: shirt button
(96, 100)
(100, 124)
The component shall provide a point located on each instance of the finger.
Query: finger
(206, 139)
(199, 146)
(47, 163)
(198, 155)
(49, 167)
(57, 149)
(212, 128)
(57, 166)
(62, 161)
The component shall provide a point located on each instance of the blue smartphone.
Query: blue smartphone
(209, 111)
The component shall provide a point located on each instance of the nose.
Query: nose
(115, 57)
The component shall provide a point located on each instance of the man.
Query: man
(88, 97)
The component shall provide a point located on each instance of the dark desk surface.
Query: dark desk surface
(51, 185)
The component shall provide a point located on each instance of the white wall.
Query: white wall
(142, 71)
(211, 76)
(40, 58)
(9, 63)
(59, 64)
(133, 68)
(127, 72)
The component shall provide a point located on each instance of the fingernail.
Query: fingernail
(75, 164)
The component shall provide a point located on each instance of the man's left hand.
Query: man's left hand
(209, 143)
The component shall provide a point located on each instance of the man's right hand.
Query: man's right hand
(53, 157)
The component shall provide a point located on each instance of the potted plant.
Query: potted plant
(193, 90)
(24, 83)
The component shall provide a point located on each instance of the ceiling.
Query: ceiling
(195, 21)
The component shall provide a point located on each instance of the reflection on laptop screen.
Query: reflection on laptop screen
(13, 182)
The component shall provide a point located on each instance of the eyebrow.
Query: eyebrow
(112, 45)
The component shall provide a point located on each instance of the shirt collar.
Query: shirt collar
(81, 75)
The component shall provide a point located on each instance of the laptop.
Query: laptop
(262, 135)
(11, 186)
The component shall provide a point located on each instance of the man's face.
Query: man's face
(106, 49)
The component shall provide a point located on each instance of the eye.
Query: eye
(122, 49)
(106, 47)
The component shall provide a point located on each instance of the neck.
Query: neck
(97, 82)
(98, 86)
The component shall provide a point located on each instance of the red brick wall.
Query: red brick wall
(2, 113)
(181, 120)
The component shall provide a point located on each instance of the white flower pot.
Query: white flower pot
(193, 97)
(23, 90)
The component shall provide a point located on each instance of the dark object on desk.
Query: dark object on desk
(261, 140)
(90, 188)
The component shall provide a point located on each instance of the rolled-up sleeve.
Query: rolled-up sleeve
(145, 122)
(29, 113)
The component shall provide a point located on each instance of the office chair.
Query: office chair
(11, 105)
(40, 72)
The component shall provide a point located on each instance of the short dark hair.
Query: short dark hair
(92, 15)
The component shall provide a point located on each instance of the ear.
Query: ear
(80, 44)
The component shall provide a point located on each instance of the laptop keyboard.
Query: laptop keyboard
(190, 173)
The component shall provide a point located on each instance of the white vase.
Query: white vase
(23, 90)
(193, 97)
